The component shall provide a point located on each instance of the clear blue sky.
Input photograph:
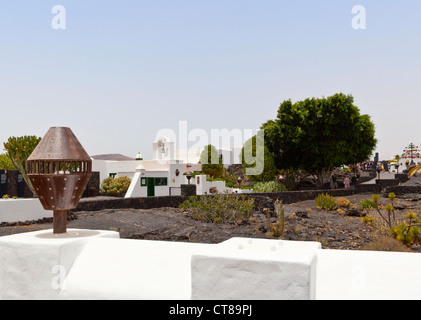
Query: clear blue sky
(123, 70)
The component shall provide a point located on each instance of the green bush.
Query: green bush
(407, 233)
(118, 186)
(214, 179)
(270, 186)
(219, 208)
(195, 173)
(326, 202)
(409, 237)
(366, 204)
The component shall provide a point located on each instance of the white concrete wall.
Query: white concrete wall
(122, 168)
(125, 174)
(256, 269)
(89, 264)
(34, 265)
(168, 169)
(175, 181)
(15, 210)
(365, 275)
(101, 167)
(203, 186)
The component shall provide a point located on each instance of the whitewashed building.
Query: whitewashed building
(165, 173)
(113, 165)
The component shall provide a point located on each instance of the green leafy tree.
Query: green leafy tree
(19, 149)
(6, 163)
(211, 162)
(317, 135)
(258, 157)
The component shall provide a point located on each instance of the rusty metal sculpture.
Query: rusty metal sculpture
(59, 169)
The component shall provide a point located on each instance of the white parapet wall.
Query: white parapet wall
(90, 264)
(34, 265)
(15, 210)
(367, 275)
(256, 269)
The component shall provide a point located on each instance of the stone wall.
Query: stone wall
(16, 188)
(101, 203)
(21, 189)
(93, 187)
(384, 183)
(188, 190)
(262, 200)
(402, 177)
(399, 190)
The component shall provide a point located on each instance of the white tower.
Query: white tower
(163, 148)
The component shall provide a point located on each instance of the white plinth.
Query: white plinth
(132, 269)
(244, 269)
(34, 265)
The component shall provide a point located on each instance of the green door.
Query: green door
(151, 187)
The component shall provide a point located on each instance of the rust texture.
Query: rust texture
(59, 169)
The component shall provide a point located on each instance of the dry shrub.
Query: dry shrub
(343, 202)
(381, 242)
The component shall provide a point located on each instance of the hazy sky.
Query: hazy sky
(123, 70)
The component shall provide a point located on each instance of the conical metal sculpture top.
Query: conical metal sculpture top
(59, 169)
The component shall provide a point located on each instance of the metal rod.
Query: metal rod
(60, 222)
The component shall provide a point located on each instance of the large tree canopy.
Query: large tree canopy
(319, 134)
(6, 163)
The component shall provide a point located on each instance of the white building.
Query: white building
(113, 165)
(411, 156)
(165, 173)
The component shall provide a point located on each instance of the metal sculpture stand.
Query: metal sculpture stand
(60, 222)
(59, 169)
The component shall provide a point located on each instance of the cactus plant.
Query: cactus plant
(18, 149)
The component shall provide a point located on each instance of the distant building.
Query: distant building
(114, 165)
(164, 174)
